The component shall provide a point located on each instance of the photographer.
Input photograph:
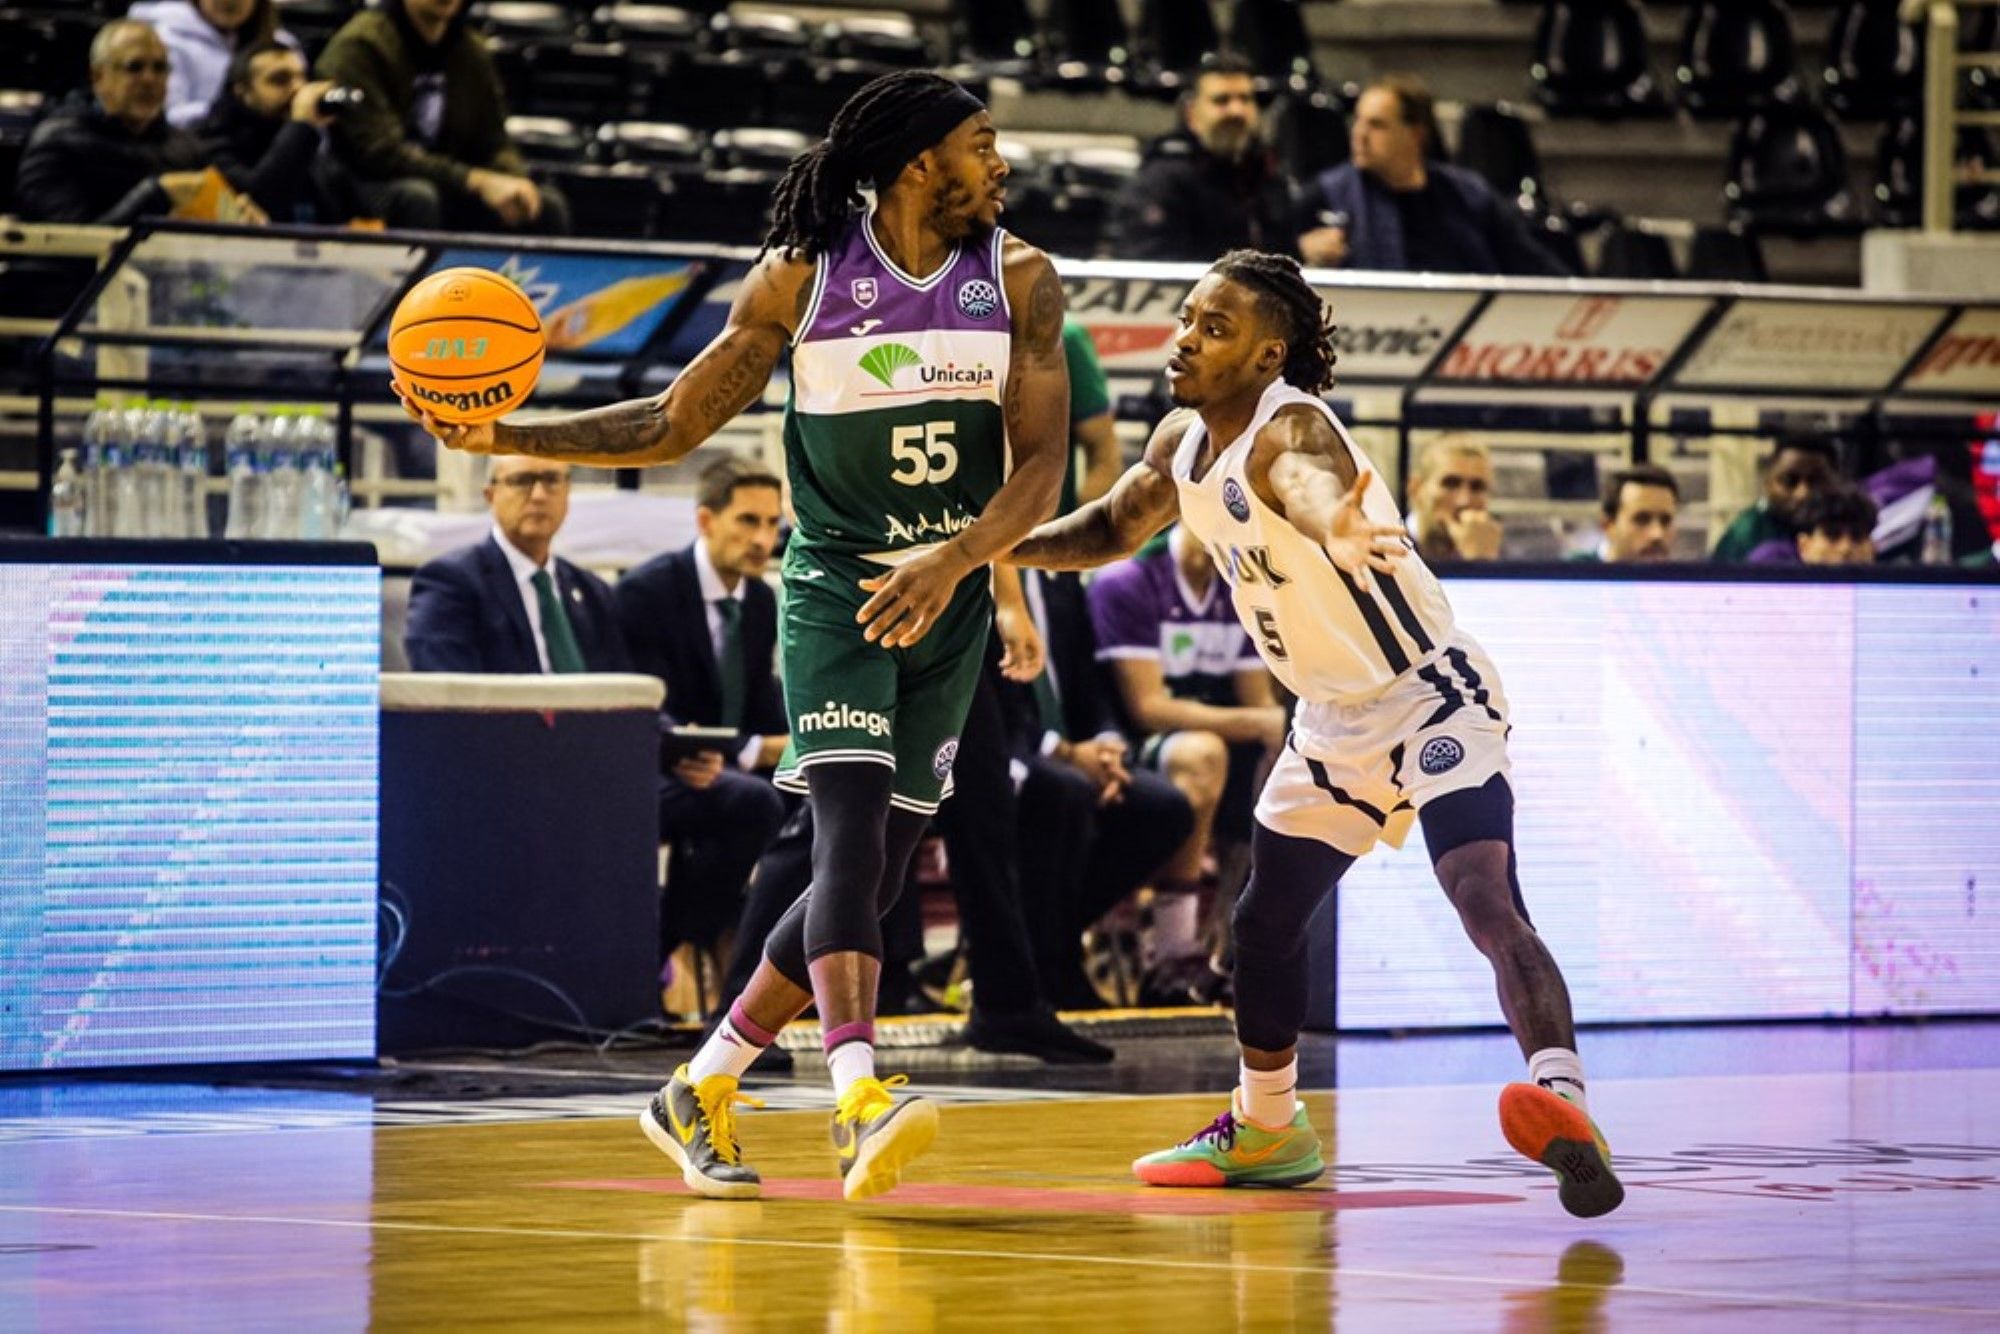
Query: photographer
(266, 132)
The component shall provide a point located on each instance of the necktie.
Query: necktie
(1047, 706)
(729, 662)
(564, 655)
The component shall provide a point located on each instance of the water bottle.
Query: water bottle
(97, 430)
(152, 457)
(1937, 532)
(279, 468)
(192, 436)
(343, 499)
(239, 449)
(66, 498)
(316, 491)
(124, 506)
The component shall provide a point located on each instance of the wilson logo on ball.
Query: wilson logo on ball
(467, 401)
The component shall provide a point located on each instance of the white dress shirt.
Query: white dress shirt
(713, 591)
(524, 570)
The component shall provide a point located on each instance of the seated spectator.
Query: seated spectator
(108, 156)
(1394, 206)
(428, 145)
(703, 620)
(1448, 491)
(1836, 526)
(1640, 506)
(1796, 470)
(202, 37)
(265, 132)
(1197, 701)
(506, 605)
(1210, 186)
(1090, 831)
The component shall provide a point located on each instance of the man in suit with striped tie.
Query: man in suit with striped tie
(507, 604)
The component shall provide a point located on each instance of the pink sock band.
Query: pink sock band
(856, 1032)
(743, 1024)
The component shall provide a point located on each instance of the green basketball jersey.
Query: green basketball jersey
(894, 437)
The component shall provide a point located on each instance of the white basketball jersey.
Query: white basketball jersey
(1328, 635)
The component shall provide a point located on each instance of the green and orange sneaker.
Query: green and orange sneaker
(1235, 1151)
(1560, 1135)
(876, 1135)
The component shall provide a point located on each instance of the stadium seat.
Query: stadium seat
(651, 28)
(1631, 251)
(1874, 61)
(20, 108)
(548, 139)
(1726, 254)
(720, 204)
(1590, 59)
(46, 52)
(807, 94)
(759, 34)
(1788, 173)
(1309, 132)
(1497, 143)
(589, 81)
(1091, 46)
(708, 91)
(1272, 33)
(889, 41)
(1736, 56)
(1899, 175)
(997, 37)
(756, 149)
(520, 22)
(1172, 37)
(649, 143)
(619, 199)
(1061, 220)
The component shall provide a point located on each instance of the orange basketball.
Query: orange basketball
(466, 345)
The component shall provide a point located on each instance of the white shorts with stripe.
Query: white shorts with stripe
(1354, 775)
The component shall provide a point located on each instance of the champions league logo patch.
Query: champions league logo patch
(1235, 501)
(864, 292)
(946, 755)
(978, 299)
(1440, 755)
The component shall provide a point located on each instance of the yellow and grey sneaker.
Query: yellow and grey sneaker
(876, 1135)
(695, 1125)
(1558, 1134)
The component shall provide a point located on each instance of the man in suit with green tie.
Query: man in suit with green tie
(507, 604)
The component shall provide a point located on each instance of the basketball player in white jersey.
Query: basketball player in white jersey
(1401, 718)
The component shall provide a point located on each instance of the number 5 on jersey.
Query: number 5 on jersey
(923, 453)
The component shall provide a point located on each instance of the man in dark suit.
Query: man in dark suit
(505, 605)
(704, 621)
(1091, 830)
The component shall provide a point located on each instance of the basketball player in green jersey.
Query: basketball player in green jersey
(924, 436)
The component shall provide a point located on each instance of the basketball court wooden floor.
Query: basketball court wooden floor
(1821, 1201)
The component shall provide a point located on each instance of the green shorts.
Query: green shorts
(852, 700)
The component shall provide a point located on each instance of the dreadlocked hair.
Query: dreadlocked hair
(821, 188)
(1291, 304)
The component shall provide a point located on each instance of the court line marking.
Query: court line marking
(1048, 1257)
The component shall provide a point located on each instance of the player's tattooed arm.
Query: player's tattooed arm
(1140, 503)
(1300, 467)
(726, 377)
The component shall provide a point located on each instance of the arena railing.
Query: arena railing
(1695, 375)
(1943, 116)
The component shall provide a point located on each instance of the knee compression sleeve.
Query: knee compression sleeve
(1289, 877)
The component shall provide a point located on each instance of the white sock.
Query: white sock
(1269, 1097)
(1176, 926)
(1560, 1071)
(850, 1063)
(727, 1052)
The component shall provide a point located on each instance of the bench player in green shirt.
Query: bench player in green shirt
(924, 435)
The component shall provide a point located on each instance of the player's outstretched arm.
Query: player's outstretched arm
(1035, 408)
(1302, 468)
(1139, 504)
(727, 376)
